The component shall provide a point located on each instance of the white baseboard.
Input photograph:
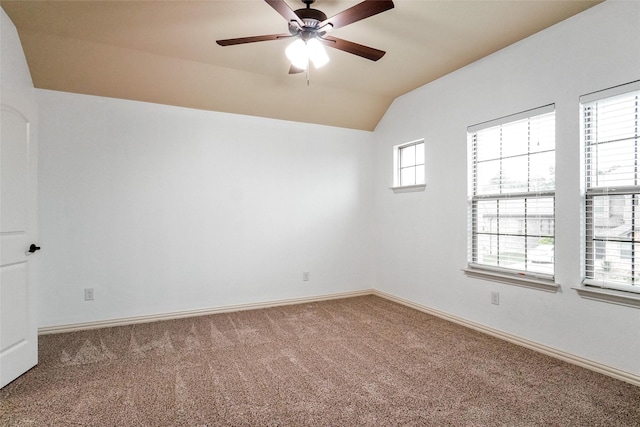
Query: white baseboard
(541, 348)
(198, 312)
(550, 351)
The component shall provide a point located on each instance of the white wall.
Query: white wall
(421, 237)
(164, 209)
(16, 87)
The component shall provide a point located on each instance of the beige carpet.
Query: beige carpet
(359, 361)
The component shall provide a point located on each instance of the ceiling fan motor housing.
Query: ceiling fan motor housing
(311, 18)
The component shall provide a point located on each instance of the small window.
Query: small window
(611, 137)
(409, 165)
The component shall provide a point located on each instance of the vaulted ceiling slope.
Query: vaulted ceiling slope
(165, 52)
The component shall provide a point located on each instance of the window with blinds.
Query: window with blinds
(512, 194)
(611, 134)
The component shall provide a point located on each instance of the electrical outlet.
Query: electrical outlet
(88, 294)
(495, 298)
(305, 276)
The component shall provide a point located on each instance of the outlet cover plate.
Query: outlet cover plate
(495, 298)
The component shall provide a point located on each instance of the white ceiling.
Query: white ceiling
(165, 52)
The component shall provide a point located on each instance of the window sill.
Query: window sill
(408, 188)
(628, 299)
(513, 279)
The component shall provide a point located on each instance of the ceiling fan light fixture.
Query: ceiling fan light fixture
(297, 53)
(317, 53)
(300, 53)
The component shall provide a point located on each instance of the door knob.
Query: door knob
(32, 249)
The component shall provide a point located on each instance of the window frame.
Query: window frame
(397, 167)
(592, 287)
(529, 278)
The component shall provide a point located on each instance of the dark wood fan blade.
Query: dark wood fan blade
(354, 48)
(242, 40)
(283, 9)
(356, 13)
(295, 70)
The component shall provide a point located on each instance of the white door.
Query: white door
(18, 329)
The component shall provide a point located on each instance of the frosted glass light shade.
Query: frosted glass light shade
(317, 54)
(299, 53)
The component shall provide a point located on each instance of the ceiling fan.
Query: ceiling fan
(310, 27)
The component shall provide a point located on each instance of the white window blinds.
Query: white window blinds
(611, 135)
(512, 194)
